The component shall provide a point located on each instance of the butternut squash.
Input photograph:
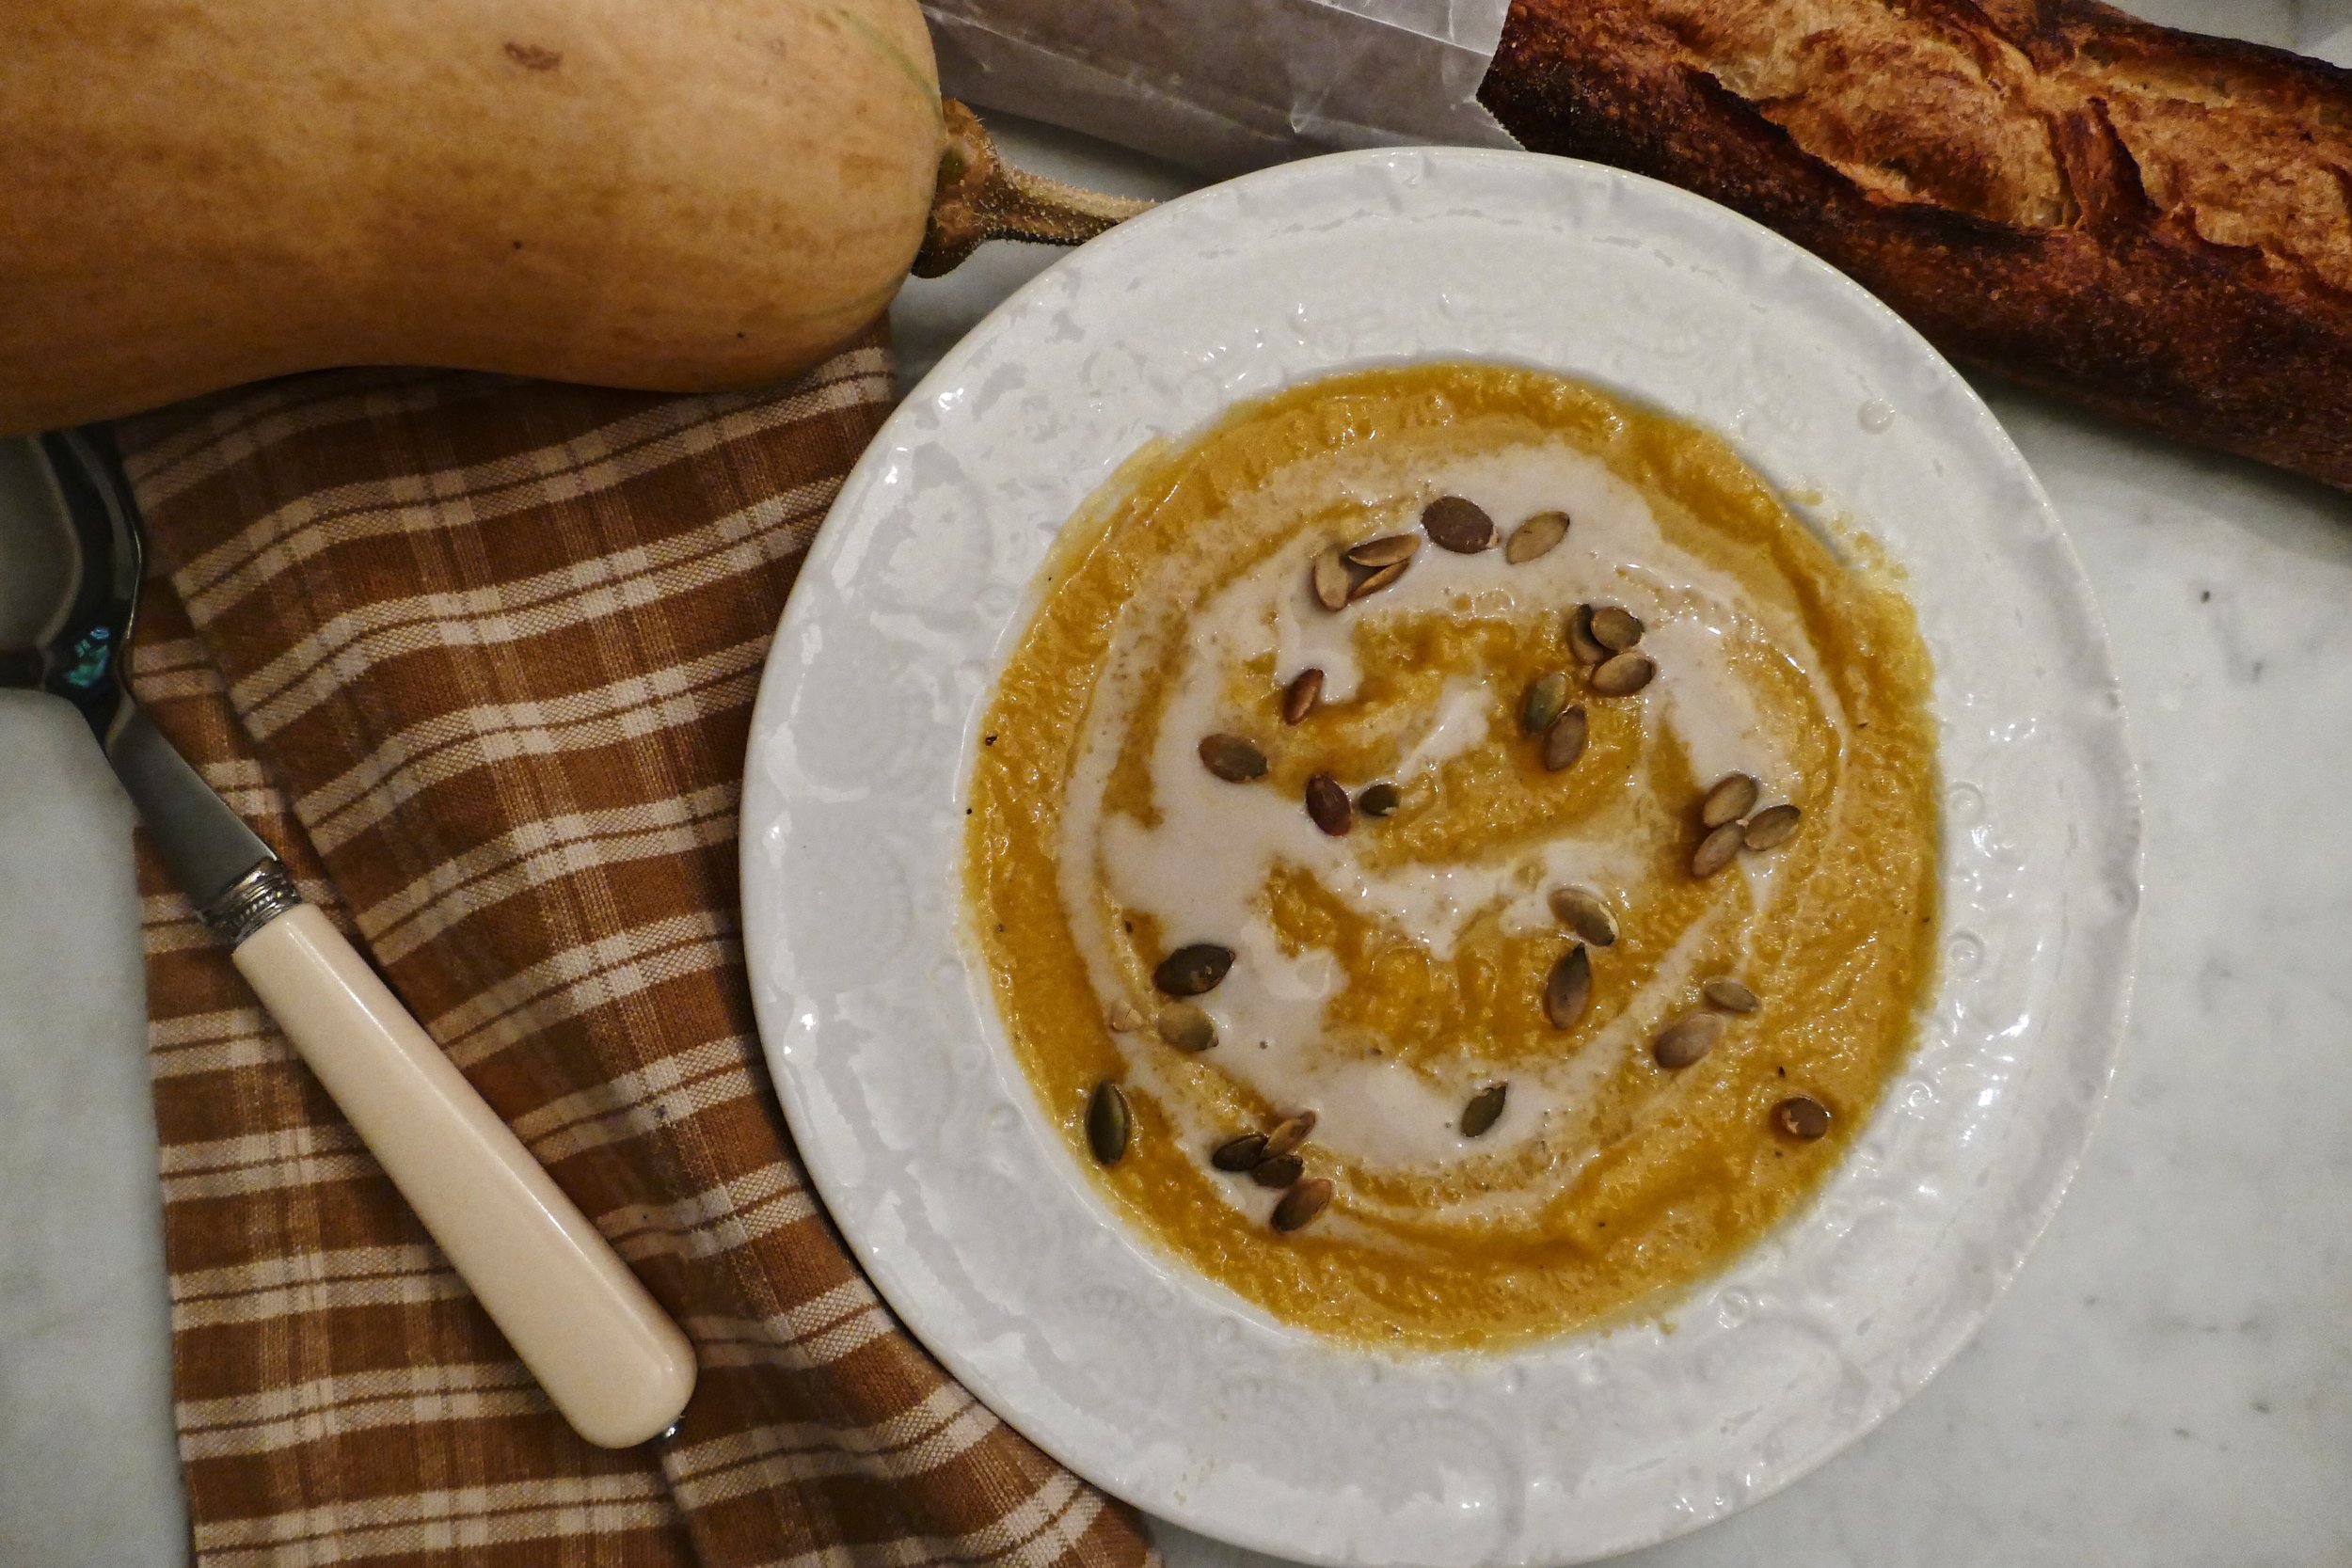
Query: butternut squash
(683, 197)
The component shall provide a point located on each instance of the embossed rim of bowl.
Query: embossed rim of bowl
(923, 1137)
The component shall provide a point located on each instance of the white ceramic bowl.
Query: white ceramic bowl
(922, 1134)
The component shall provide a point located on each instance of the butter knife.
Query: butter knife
(616, 1366)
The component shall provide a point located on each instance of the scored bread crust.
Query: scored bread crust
(2151, 223)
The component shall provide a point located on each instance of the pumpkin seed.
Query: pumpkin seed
(1686, 1040)
(1286, 1138)
(1233, 758)
(1194, 968)
(1615, 629)
(1368, 585)
(1581, 641)
(1186, 1027)
(1327, 804)
(1624, 673)
(1564, 741)
(1545, 696)
(1569, 989)
(1379, 800)
(1302, 1203)
(1239, 1154)
(1123, 1019)
(1729, 995)
(1580, 910)
(1536, 538)
(1108, 1123)
(1279, 1171)
(1300, 697)
(1332, 579)
(1458, 525)
(1484, 1110)
(1386, 550)
(1770, 827)
(1802, 1116)
(1715, 851)
(1733, 797)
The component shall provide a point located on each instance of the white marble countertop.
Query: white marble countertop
(2171, 1380)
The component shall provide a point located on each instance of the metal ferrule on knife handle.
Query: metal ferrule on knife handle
(251, 902)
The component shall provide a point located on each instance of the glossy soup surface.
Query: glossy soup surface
(1383, 978)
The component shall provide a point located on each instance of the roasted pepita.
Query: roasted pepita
(1581, 911)
(1484, 1110)
(1329, 804)
(1300, 697)
(1109, 1122)
(1386, 550)
(1568, 991)
(1581, 641)
(1234, 758)
(1302, 1203)
(1614, 629)
(1715, 851)
(1564, 741)
(1278, 1170)
(1770, 827)
(1802, 1116)
(1186, 1027)
(1541, 703)
(1458, 525)
(1729, 995)
(1286, 1137)
(1371, 582)
(1192, 968)
(1686, 1040)
(1536, 538)
(1332, 579)
(1239, 1154)
(1623, 675)
(1733, 797)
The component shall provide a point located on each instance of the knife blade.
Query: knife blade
(206, 847)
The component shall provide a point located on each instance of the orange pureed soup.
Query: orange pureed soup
(1490, 995)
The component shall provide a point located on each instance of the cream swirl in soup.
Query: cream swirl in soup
(1389, 977)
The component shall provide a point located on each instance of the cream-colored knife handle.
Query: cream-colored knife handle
(615, 1365)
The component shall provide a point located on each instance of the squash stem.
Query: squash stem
(980, 198)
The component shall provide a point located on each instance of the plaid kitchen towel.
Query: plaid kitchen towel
(477, 656)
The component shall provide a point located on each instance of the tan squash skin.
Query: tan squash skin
(683, 197)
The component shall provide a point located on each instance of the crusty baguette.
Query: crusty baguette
(2154, 224)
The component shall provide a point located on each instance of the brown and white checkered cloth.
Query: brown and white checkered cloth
(477, 657)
